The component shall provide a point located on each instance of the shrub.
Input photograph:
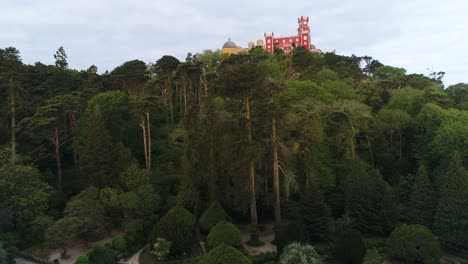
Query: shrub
(162, 247)
(414, 243)
(177, 227)
(372, 257)
(226, 233)
(296, 253)
(350, 247)
(224, 254)
(285, 235)
(82, 260)
(212, 216)
(119, 244)
(100, 254)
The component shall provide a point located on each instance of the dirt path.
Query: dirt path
(266, 236)
(135, 258)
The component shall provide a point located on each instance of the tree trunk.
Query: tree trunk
(148, 141)
(276, 182)
(145, 148)
(58, 162)
(13, 123)
(253, 200)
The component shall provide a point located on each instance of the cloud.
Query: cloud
(414, 34)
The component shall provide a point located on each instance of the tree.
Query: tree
(165, 67)
(24, 195)
(240, 77)
(212, 216)
(10, 76)
(97, 153)
(350, 247)
(423, 200)
(314, 213)
(56, 120)
(413, 244)
(369, 199)
(61, 59)
(451, 218)
(61, 233)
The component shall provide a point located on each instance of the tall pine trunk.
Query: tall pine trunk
(253, 200)
(148, 141)
(276, 182)
(56, 142)
(13, 122)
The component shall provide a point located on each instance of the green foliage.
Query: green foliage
(451, 218)
(315, 213)
(350, 247)
(212, 216)
(62, 232)
(224, 254)
(265, 258)
(119, 243)
(24, 195)
(368, 199)
(101, 254)
(287, 234)
(162, 248)
(224, 233)
(177, 227)
(82, 260)
(296, 253)
(414, 244)
(372, 257)
(423, 200)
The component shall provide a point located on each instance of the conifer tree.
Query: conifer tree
(315, 213)
(451, 218)
(422, 200)
(97, 153)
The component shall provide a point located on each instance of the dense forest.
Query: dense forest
(351, 160)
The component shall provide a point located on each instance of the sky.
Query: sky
(418, 35)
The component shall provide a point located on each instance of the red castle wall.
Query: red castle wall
(287, 43)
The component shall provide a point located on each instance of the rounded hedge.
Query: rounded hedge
(177, 227)
(413, 244)
(226, 233)
(350, 247)
(212, 216)
(224, 254)
(297, 253)
(119, 243)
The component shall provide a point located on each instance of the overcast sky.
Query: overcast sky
(413, 34)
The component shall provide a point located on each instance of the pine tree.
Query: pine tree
(315, 213)
(368, 199)
(451, 219)
(97, 153)
(422, 200)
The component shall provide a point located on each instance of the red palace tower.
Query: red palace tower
(287, 43)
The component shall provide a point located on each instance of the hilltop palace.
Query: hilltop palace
(271, 42)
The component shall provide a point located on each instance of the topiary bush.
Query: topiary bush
(226, 233)
(296, 253)
(177, 227)
(413, 244)
(119, 243)
(224, 254)
(101, 254)
(350, 247)
(212, 216)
